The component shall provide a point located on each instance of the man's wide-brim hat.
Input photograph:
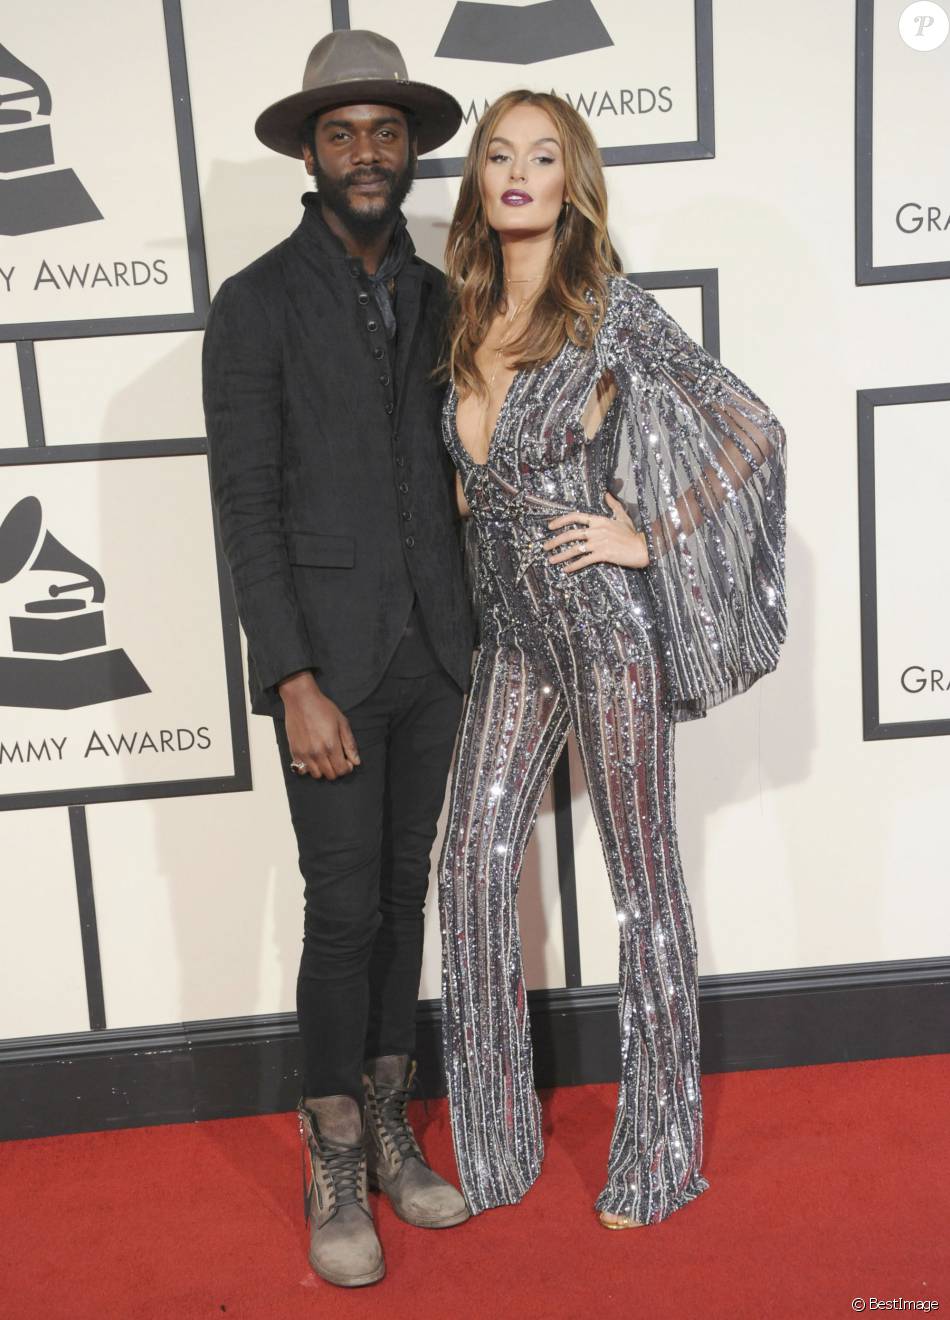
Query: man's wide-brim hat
(353, 67)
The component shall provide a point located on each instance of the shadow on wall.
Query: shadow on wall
(764, 741)
(754, 744)
(240, 224)
(225, 863)
(151, 405)
(429, 234)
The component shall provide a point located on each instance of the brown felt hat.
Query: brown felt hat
(351, 67)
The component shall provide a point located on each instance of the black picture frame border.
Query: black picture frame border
(191, 205)
(867, 401)
(702, 147)
(704, 278)
(241, 780)
(865, 271)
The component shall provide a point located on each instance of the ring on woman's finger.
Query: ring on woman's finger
(298, 767)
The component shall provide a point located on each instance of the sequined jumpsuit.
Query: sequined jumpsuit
(617, 656)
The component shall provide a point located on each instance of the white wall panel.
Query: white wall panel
(12, 424)
(240, 60)
(911, 562)
(200, 901)
(428, 210)
(121, 387)
(106, 235)
(42, 985)
(911, 107)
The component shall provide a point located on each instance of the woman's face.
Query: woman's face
(523, 180)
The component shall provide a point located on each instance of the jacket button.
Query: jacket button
(372, 325)
(384, 380)
(354, 267)
(389, 407)
(410, 542)
(400, 461)
(377, 352)
(404, 487)
(406, 516)
(363, 298)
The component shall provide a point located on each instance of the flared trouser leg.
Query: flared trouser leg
(625, 738)
(513, 730)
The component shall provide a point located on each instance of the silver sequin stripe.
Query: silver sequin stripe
(694, 436)
(513, 731)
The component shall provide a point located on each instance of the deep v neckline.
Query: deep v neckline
(502, 409)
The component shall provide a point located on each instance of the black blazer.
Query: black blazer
(333, 489)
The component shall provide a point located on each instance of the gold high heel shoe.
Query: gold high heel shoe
(621, 1221)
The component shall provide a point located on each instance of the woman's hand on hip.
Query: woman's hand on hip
(596, 539)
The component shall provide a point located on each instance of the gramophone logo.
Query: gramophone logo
(515, 34)
(34, 194)
(58, 656)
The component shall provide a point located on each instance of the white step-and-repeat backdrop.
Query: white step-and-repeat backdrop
(777, 176)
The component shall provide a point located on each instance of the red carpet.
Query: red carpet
(827, 1184)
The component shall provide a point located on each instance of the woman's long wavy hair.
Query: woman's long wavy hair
(573, 299)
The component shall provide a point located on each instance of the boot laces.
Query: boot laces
(392, 1103)
(342, 1162)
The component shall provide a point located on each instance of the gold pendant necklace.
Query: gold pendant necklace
(505, 339)
(502, 344)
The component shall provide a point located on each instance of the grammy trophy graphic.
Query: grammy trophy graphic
(515, 34)
(33, 196)
(55, 656)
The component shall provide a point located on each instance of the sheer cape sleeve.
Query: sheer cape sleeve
(701, 466)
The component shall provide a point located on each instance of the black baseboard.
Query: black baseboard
(238, 1066)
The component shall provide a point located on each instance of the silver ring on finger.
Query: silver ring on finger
(298, 767)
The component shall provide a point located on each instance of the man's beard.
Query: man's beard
(368, 222)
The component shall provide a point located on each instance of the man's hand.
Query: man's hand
(317, 730)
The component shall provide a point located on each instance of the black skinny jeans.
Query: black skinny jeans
(364, 842)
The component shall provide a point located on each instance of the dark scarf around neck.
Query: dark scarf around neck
(400, 249)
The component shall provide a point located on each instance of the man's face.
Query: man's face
(363, 164)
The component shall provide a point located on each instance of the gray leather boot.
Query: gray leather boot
(344, 1248)
(395, 1164)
